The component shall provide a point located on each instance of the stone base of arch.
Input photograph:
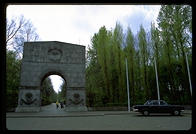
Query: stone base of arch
(29, 100)
(76, 99)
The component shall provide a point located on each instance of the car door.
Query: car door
(164, 108)
(155, 107)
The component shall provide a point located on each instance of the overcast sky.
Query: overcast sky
(77, 23)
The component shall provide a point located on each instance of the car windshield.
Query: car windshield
(147, 102)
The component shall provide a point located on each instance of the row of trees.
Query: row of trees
(167, 44)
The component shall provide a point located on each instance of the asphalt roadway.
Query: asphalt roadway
(51, 118)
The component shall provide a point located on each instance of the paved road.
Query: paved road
(51, 109)
(102, 120)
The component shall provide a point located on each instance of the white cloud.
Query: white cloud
(71, 23)
(77, 23)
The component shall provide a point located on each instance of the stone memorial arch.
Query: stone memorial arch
(44, 58)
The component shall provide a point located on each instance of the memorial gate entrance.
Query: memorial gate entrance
(44, 58)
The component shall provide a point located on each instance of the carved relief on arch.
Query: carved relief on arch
(54, 54)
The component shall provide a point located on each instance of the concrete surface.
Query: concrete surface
(51, 118)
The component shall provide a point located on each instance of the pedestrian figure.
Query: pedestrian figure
(61, 104)
(57, 104)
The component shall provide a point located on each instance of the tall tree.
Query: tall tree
(117, 41)
(164, 22)
(174, 22)
(102, 46)
(144, 59)
(181, 33)
(130, 54)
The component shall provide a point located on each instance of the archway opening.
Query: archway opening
(53, 89)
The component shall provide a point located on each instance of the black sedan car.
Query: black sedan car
(158, 106)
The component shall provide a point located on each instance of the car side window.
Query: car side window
(155, 103)
(151, 103)
(163, 103)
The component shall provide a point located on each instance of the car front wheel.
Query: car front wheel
(146, 113)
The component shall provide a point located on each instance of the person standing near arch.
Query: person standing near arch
(57, 104)
(61, 103)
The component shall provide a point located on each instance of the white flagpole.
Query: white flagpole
(188, 74)
(157, 81)
(127, 86)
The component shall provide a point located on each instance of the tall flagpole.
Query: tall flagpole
(187, 64)
(157, 79)
(127, 86)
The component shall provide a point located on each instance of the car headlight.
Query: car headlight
(135, 109)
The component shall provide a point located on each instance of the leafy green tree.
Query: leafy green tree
(12, 79)
(174, 23)
(94, 80)
(117, 42)
(100, 47)
(112, 69)
(164, 20)
(144, 59)
(130, 54)
(46, 92)
(102, 57)
(139, 91)
(181, 34)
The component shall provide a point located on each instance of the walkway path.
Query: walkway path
(52, 111)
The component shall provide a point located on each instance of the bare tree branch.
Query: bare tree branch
(18, 31)
(12, 27)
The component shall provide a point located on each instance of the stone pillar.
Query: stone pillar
(29, 100)
(76, 99)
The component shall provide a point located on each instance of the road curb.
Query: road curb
(77, 115)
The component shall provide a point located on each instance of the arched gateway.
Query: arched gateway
(41, 59)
